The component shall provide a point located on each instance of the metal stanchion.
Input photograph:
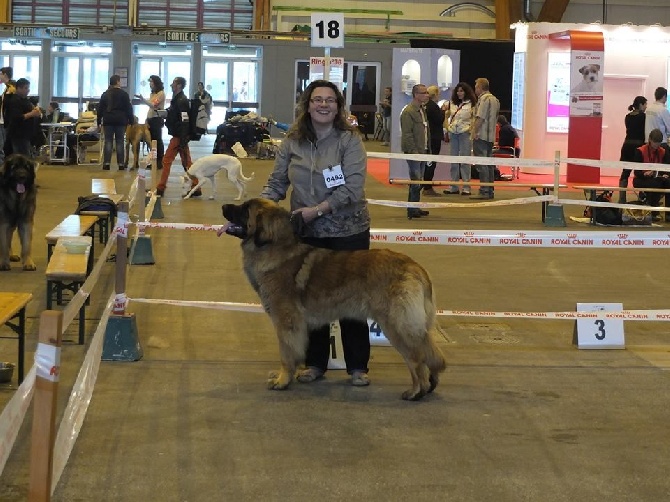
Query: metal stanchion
(121, 338)
(141, 252)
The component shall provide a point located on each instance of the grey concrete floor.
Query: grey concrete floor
(520, 414)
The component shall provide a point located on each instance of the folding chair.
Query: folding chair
(89, 145)
(379, 128)
(508, 152)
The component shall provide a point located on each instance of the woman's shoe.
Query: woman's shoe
(309, 375)
(360, 379)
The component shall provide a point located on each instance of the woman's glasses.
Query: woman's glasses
(319, 100)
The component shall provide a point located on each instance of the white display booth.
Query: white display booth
(439, 67)
(636, 62)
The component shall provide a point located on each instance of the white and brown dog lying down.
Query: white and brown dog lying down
(302, 287)
(206, 168)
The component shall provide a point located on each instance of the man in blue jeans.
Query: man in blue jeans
(114, 113)
(415, 139)
(484, 134)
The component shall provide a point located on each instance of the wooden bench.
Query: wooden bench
(13, 307)
(101, 186)
(73, 225)
(591, 193)
(104, 222)
(68, 272)
(545, 188)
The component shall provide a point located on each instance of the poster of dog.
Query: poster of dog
(586, 83)
(302, 287)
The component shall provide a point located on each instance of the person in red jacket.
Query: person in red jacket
(653, 153)
(177, 123)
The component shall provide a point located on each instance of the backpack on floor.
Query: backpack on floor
(605, 215)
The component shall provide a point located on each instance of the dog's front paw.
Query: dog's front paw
(4, 267)
(277, 381)
(29, 266)
(412, 395)
(14, 257)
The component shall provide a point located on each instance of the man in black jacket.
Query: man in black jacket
(435, 116)
(22, 118)
(6, 74)
(177, 123)
(114, 112)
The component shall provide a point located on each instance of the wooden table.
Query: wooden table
(68, 272)
(13, 307)
(103, 186)
(72, 226)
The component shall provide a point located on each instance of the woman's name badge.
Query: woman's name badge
(333, 176)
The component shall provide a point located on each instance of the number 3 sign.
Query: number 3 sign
(327, 30)
(597, 332)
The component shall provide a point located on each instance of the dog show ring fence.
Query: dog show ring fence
(51, 448)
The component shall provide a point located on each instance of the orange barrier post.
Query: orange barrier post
(47, 361)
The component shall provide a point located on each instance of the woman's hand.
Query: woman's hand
(309, 214)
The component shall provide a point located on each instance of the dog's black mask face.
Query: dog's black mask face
(259, 219)
(18, 173)
(238, 217)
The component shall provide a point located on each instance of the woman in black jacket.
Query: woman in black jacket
(635, 138)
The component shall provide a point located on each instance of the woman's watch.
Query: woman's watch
(319, 213)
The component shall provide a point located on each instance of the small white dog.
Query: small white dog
(590, 79)
(206, 168)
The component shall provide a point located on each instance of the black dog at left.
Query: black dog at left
(18, 200)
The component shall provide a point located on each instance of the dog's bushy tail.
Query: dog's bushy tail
(434, 358)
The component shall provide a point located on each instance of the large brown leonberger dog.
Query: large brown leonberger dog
(18, 200)
(302, 287)
(136, 134)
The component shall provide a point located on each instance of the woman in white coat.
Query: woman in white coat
(458, 118)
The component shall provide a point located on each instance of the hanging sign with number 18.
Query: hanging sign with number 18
(327, 30)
